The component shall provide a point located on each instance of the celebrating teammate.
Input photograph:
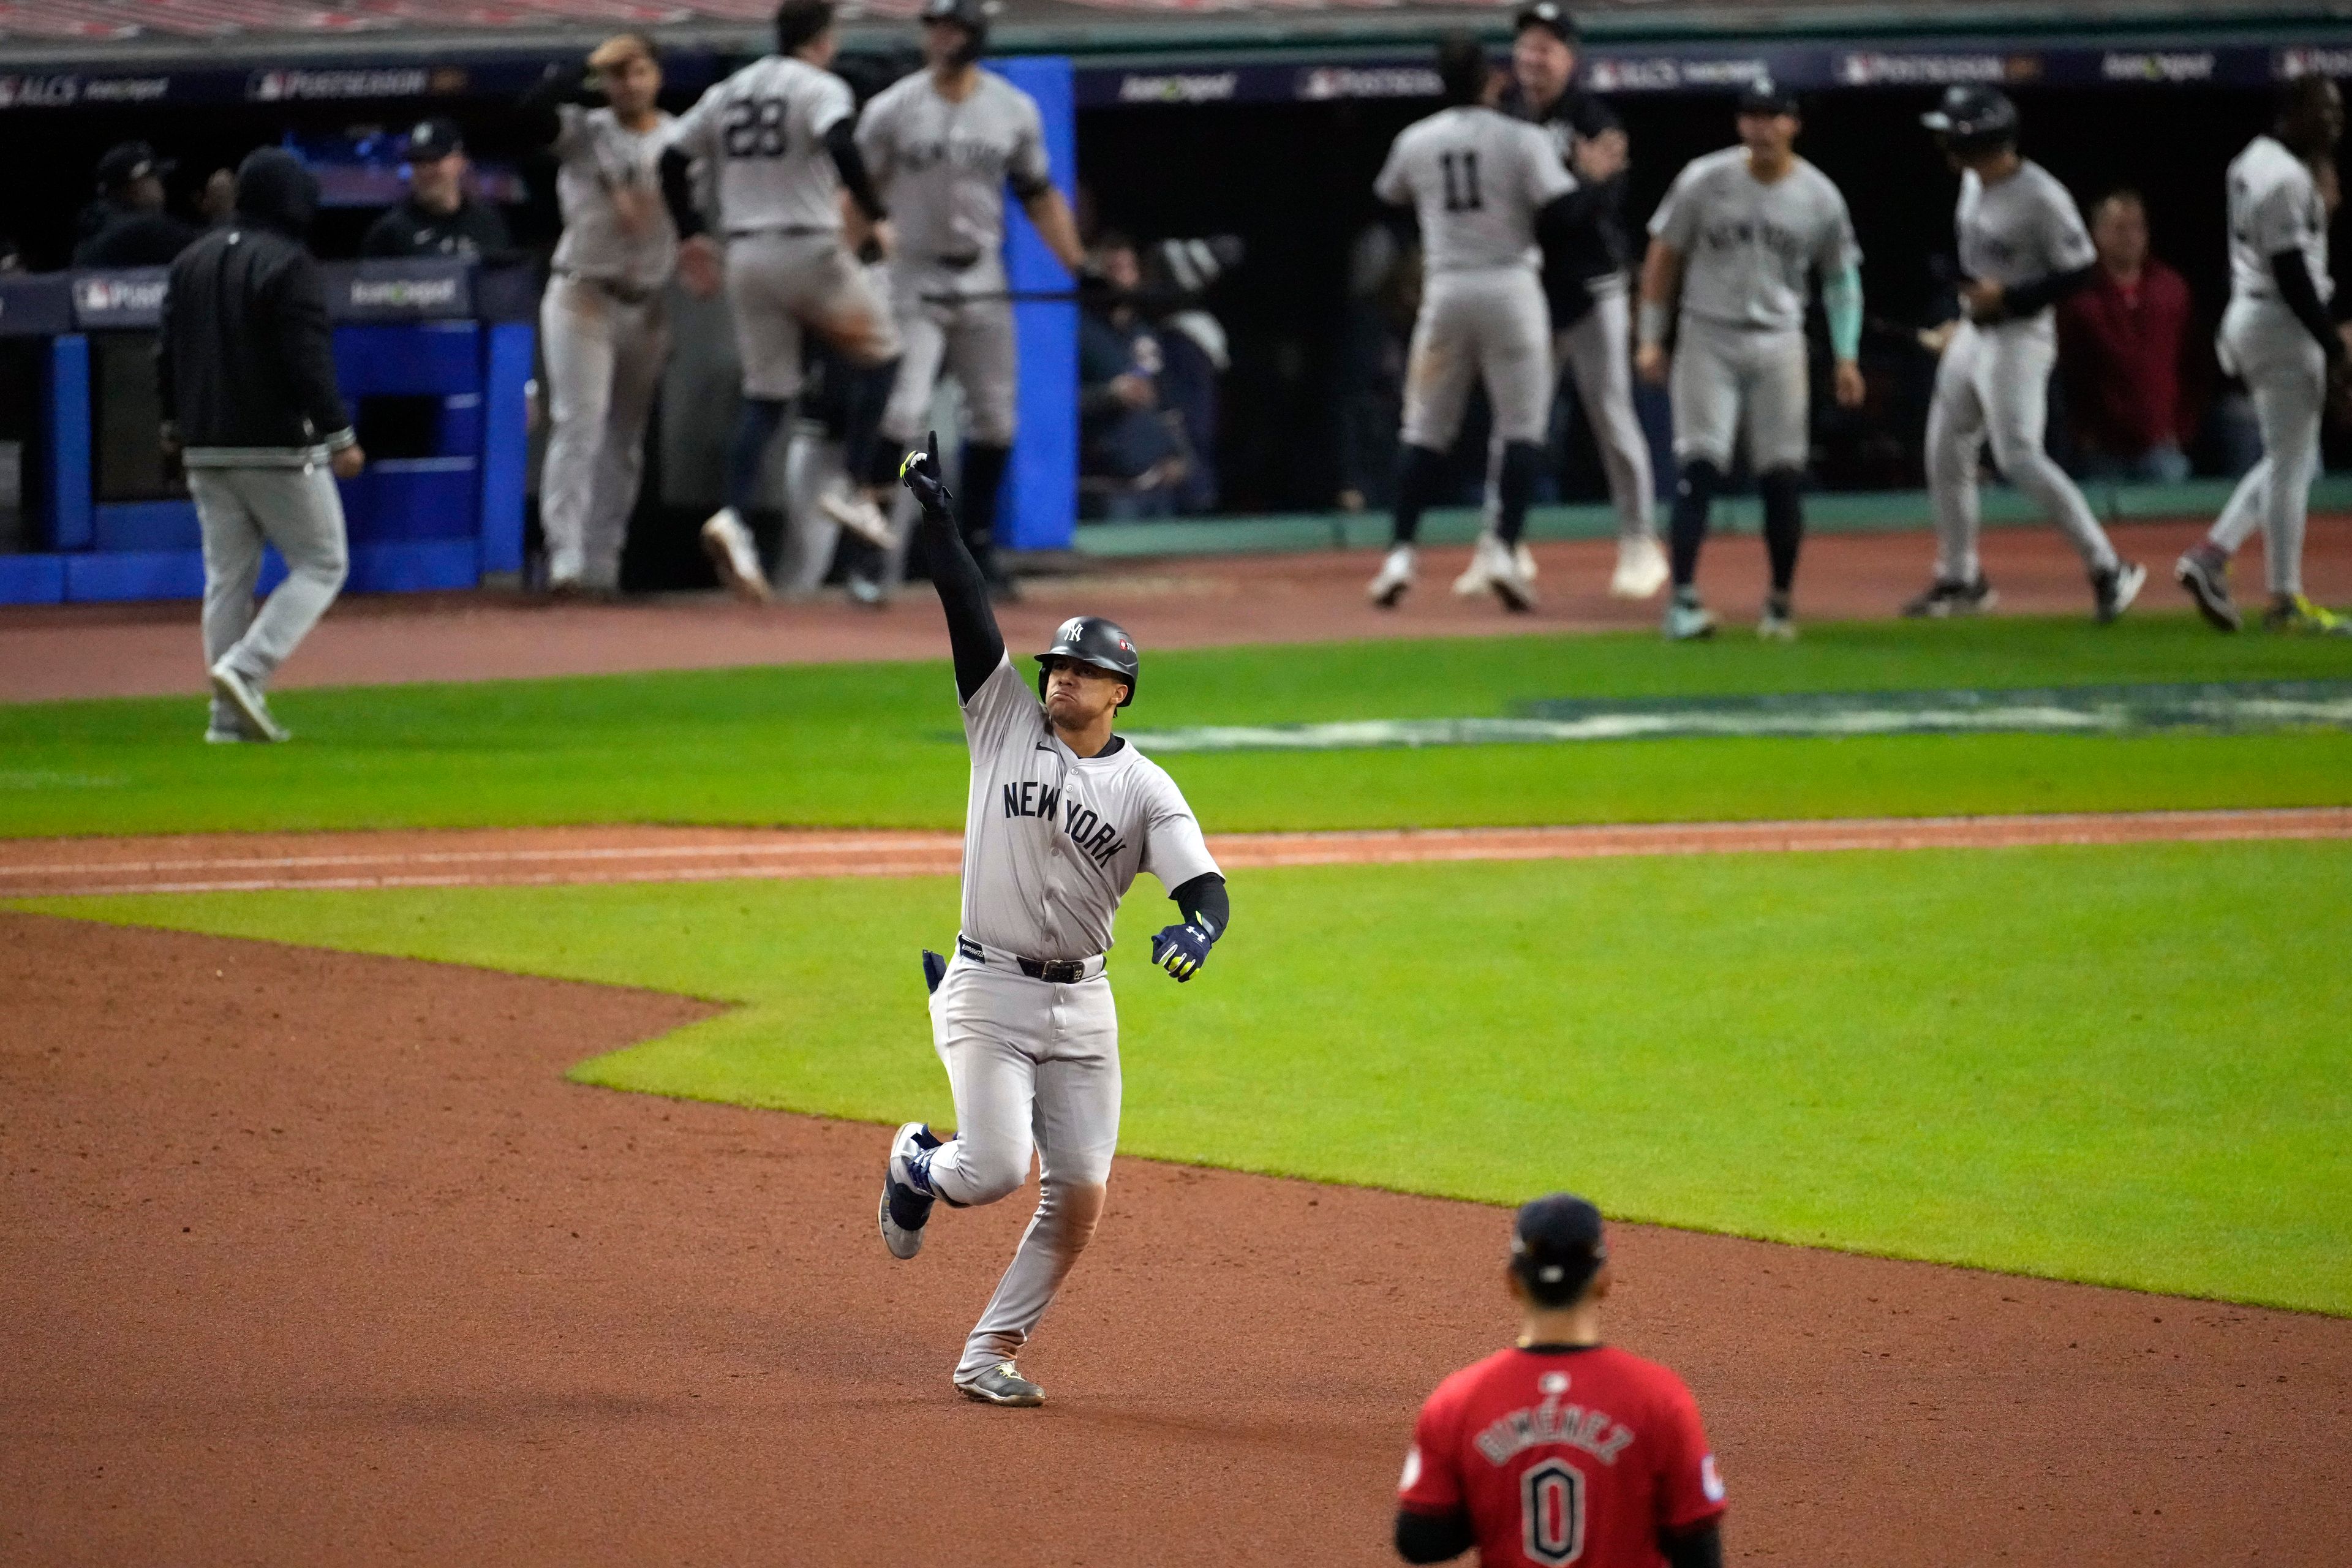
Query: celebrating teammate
(1584, 287)
(605, 333)
(1561, 1449)
(1484, 187)
(780, 139)
(1061, 816)
(2022, 249)
(2277, 335)
(1734, 238)
(943, 144)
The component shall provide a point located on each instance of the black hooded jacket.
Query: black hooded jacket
(245, 362)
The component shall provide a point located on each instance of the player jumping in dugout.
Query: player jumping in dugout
(1061, 815)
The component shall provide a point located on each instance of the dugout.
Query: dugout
(1268, 123)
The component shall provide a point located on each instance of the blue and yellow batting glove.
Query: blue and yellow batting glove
(1181, 950)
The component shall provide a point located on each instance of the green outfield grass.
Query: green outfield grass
(877, 744)
(2125, 1065)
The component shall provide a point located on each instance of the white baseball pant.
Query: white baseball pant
(1994, 383)
(296, 507)
(778, 284)
(812, 465)
(1727, 382)
(970, 339)
(1034, 1067)
(1488, 324)
(2286, 372)
(604, 360)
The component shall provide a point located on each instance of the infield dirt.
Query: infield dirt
(310, 1256)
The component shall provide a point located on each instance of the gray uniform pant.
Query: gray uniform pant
(296, 507)
(812, 465)
(1994, 383)
(1730, 381)
(1488, 324)
(1597, 351)
(2286, 372)
(1034, 1066)
(604, 360)
(969, 339)
(778, 283)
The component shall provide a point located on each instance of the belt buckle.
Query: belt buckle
(1064, 970)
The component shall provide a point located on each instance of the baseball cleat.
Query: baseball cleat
(905, 1209)
(2113, 590)
(1641, 568)
(2204, 572)
(214, 735)
(1394, 579)
(734, 555)
(1686, 619)
(1777, 624)
(2294, 613)
(1002, 1384)
(865, 593)
(1946, 598)
(857, 511)
(1523, 560)
(246, 698)
(1474, 580)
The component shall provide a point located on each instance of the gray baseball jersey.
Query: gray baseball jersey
(2024, 228)
(763, 130)
(942, 167)
(608, 183)
(2274, 205)
(1052, 840)
(1746, 246)
(1476, 178)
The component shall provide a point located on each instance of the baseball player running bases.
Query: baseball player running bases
(2277, 335)
(1484, 188)
(779, 139)
(1734, 240)
(2022, 249)
(1062, 814)
(1561, 1449)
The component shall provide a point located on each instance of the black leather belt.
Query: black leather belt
(788, 230)
(626, 293)
(1056, 971)
(957, 263)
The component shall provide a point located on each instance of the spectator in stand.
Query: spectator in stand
(1130, 453)
(440, 218)
(127, 225)
(2123, 353)
(244, 368)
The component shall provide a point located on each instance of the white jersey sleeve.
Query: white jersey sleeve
(696, 132)
(875, 140)
(1838, 249)
(1174, 850)
(825, 104)
(1002, 708)
(1676, 220)
(1030, 169)
(2065, 241)
(1546, 178)
(1389, 184)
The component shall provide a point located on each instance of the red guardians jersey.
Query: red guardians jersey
(1564, 1455)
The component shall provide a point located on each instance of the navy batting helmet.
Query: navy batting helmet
(971, 16)
(1091, 639)
(1973, 119)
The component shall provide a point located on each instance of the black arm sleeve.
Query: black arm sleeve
(2026, 298)
(1434, 1537)
(2301, 295)
(308, 344)
(978, 646)
(1203, 903)
(1700, 1548)
(1565, 218)
(841, 141)
(678, 193)
(535, 112)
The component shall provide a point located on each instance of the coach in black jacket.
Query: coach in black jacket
(245, 368)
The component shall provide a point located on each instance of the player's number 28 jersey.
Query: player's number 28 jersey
(1475, 178)
(762, 133)
(1051, 839)
(1564, 1455)
(2274, 205)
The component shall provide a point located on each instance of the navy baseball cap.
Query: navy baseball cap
(1557, 1245)
(434, 140)
(1763, 95)
(128, 160)
(1551, 16)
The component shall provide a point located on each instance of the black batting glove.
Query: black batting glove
(920, 473)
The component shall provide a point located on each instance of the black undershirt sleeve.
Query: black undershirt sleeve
(1564, 217)
(678, 193)
(1434, 1537)
(1203, 903)
(973, 633)
(536, 113)
(2026, 298)
(2298, 293)
(841, 141)
(1700, 1548)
